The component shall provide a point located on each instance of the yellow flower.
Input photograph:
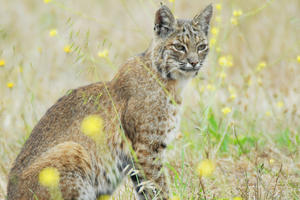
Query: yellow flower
(67, 49)
(271, 161)
(92, 125)
(232, 92)
(261, 65)
(212, 42)
(222, 75)
(229, 61)
(226, 61)
(53, 32)
(237, 13)
(268, 113)
(219, 6)
(49, 177)
(234, 21)
(175, 198)
(249, 82)
(218, 49)
(103, 53)
(231, 89)
(171, 1)
(222, 61)
(279, 104)
(104, 197)
(10, 84)
(237, 198)
(298, 59)
(205, 168)
(215, 30)
(210, 87)
(47, 1)
(226, 110)
(259, 81)
(202, 88)
(232, 96)
(218, 19)
(2, 62)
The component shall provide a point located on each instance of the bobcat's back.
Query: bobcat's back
(57, 136)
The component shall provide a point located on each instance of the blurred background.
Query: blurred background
(241, 113)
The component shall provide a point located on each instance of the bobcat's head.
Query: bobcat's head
(180, 46)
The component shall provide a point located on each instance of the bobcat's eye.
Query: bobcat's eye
(179, 47)
(202, 47)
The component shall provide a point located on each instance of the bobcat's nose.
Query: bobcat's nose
(193, 62)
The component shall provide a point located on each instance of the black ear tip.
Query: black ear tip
(209, 7)
(164, 7)
(164, 21)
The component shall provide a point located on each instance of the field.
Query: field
(241, 114)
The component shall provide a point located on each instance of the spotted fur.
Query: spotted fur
(140, 108)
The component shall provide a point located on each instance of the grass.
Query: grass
(242, 111)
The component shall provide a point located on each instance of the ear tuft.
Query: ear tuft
(203, 19)
(164, 21)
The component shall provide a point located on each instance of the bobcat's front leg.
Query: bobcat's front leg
(150, 182)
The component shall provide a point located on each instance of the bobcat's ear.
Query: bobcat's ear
(203, 19)
(164, 21)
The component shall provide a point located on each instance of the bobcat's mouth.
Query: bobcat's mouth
(186, 67)
(194, 69)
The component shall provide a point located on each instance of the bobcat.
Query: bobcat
(139, 111)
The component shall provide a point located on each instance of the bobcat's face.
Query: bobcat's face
(180, 46)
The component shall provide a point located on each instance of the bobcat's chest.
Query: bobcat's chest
(172, 122)
(157, 119)
(164, 120)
